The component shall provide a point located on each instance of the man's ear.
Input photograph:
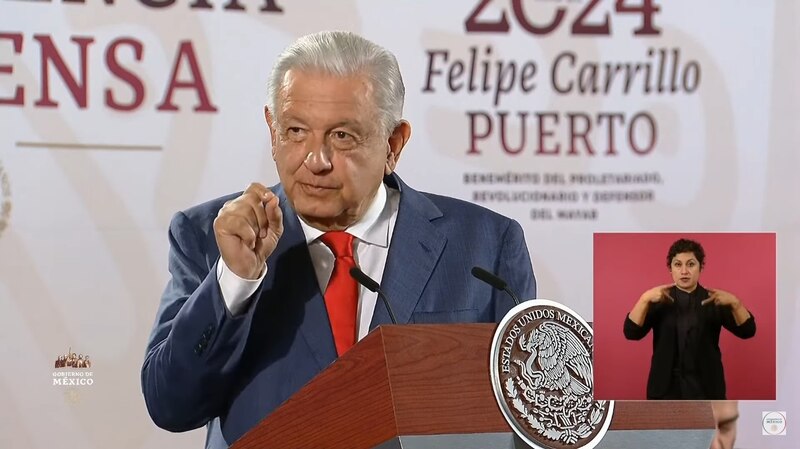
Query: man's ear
(273, 135)
(397, 141)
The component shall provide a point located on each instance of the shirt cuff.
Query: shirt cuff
(236, 291)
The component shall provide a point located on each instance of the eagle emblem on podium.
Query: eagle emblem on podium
(541, 368)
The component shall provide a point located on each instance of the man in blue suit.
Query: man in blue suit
(249, 315)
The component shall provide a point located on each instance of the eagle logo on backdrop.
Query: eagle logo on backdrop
(541, 369)
(5, 199)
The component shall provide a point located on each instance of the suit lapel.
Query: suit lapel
(413, 254)
(315, 326)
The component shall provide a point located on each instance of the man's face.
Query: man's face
(685, 270)
(329, 149)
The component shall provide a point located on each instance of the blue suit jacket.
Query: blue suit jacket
(206, 367)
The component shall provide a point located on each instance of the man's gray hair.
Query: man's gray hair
(342, 54)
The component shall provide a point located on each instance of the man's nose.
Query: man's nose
(318, 159)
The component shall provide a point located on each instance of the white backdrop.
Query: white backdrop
(701, 136)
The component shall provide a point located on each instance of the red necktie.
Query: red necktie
(341, 295)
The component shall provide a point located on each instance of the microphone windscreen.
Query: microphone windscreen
(364, 280)
(489, 278)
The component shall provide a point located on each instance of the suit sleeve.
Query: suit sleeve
(744, 330)
(515, 267)
(196, 344)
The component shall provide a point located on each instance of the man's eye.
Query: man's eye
(341, 135)
(343, 140)
(295, 133)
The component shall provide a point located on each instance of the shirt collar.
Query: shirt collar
(372, 228)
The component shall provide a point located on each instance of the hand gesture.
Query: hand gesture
(720, 298)
(247, 230)
(658, 294)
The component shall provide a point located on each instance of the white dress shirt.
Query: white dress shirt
(372, 233)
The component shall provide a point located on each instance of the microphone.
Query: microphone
(372, 286)
(494, 281)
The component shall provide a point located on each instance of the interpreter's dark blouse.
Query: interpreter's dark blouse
(686, 360)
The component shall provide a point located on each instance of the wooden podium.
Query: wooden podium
(427, 386)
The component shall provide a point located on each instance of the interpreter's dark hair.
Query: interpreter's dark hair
(686, 246)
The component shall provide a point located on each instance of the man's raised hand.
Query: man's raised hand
(247, 230)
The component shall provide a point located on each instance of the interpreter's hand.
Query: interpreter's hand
(247, 230)
(721, 298)
(658, 294)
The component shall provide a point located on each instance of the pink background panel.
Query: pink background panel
(627, 264)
